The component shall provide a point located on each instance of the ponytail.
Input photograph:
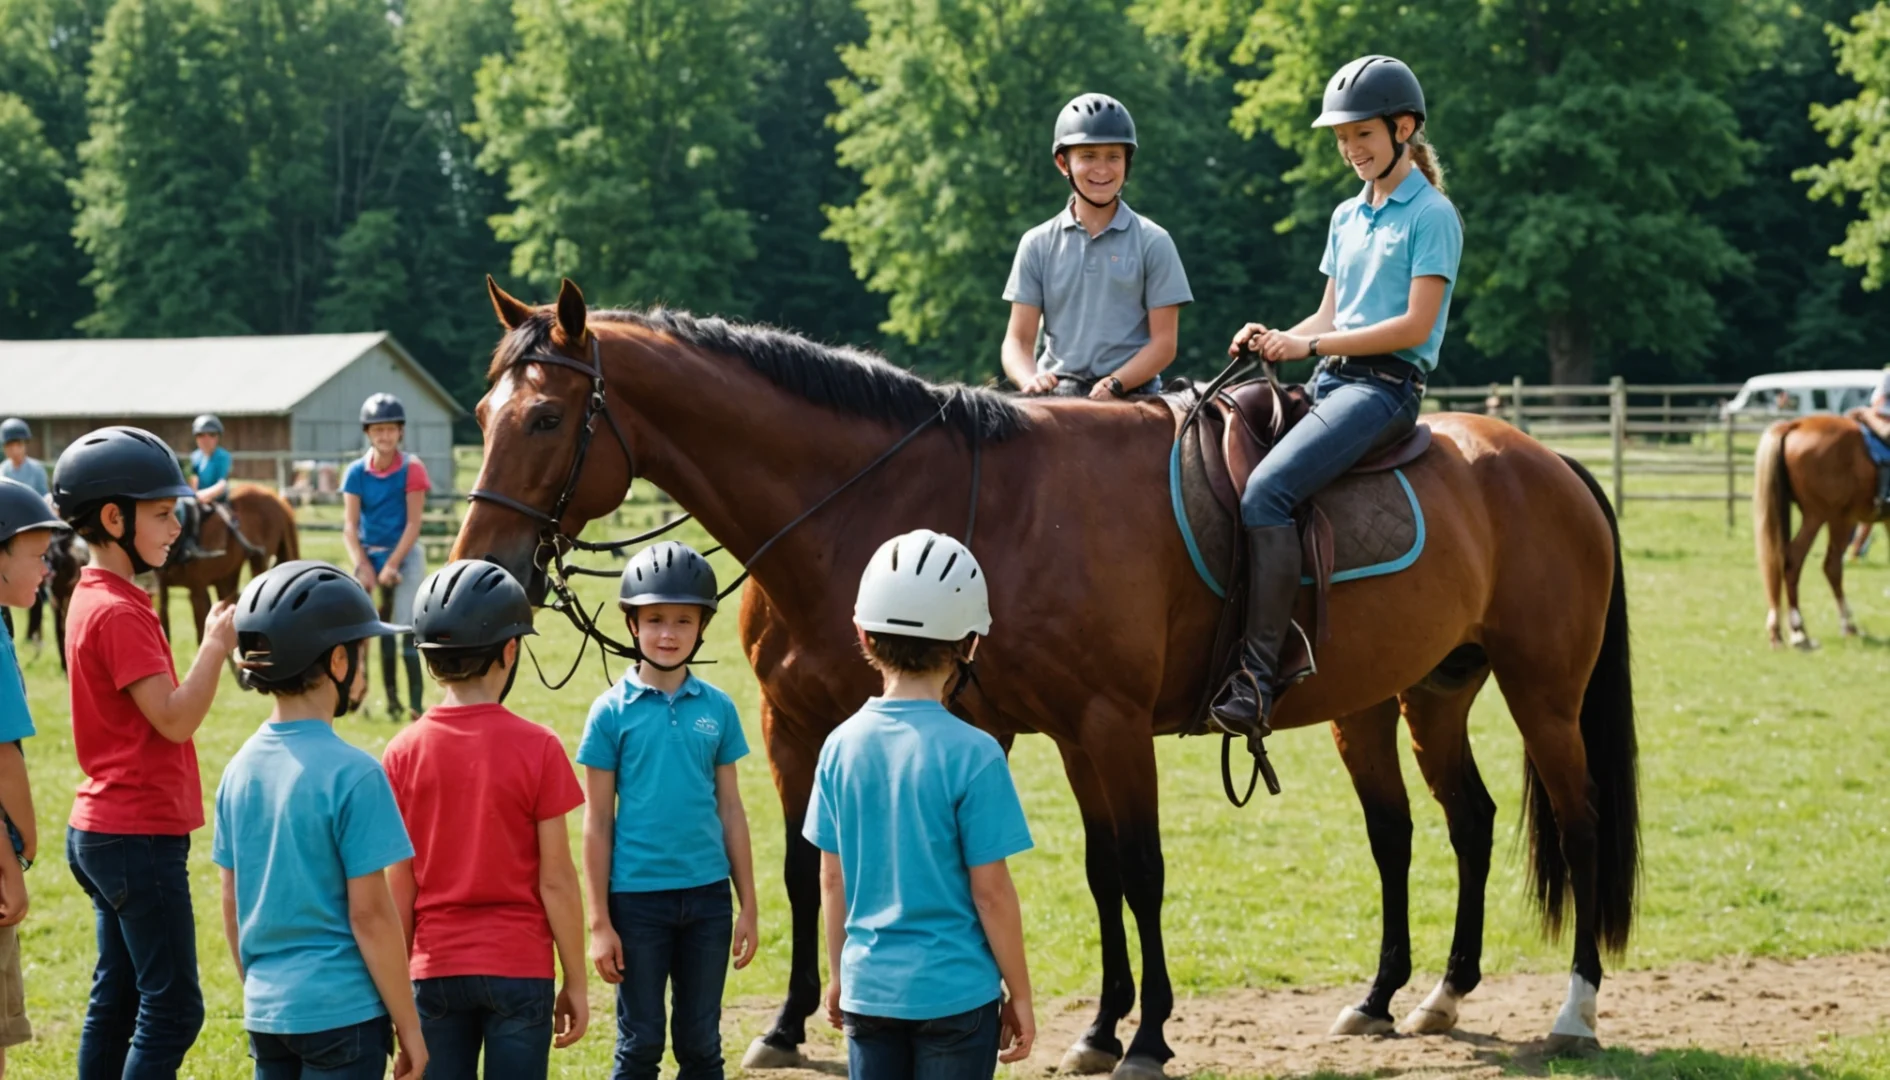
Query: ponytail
(1424, 156)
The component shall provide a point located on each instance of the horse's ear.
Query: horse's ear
(571, 312)
(512, 311)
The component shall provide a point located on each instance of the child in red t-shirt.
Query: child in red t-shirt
(491, 888)
(132, 723)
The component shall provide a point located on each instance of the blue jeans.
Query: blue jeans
(510, 1018)
(146, 1007)
(961, 1047)
(678, 937)
(356, 1052)
(1350, 418)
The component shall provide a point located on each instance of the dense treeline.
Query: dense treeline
(1661, 188)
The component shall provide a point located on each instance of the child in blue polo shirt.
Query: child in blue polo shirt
(664, 827)
(915, 814)
(306, 826)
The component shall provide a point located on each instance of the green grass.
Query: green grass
(1763, 776)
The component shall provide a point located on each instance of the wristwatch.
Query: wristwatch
(1312, 347)
(1115, 386)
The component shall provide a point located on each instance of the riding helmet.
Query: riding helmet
(926, 585)
(22, 510)
(207, 424)
(1370, 87)
(115, 463)
(291, 615)
(382, 409)
(668, 573)
(1090, 119)
(14, 429)
(470, 604)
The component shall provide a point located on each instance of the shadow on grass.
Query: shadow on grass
(1608, 1064)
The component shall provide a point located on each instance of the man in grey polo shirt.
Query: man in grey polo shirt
(1104, 283)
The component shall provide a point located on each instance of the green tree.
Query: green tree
(1861, 125)
(621, 127)
(1584, 140)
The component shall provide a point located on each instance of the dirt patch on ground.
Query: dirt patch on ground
(1760, 1008)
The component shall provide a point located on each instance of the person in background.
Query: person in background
(383, 496)
(16, 434)
(210, 467)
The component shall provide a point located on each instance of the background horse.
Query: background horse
(1101, 624)
(269, 523)
(1818, 462)
(66, 556)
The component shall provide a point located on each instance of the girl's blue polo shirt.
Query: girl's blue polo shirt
(211, 468)
(1373, 253)
(665, 751)
(910, 798)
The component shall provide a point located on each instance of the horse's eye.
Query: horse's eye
(547, 422)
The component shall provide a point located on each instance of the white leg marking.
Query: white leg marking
(1437, 1013)
(1577, 1018)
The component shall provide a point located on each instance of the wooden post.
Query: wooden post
(282, 475)
(1731, 491)
(1617, 431)
(1515, 404)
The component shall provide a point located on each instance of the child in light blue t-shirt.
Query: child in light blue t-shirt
(306, 825)
(915, 814)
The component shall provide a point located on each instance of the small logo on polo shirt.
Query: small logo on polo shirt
(707, 725)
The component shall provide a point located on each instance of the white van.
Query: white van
(1796, 393)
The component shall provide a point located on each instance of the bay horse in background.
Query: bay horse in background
(1820, 464)
(266, 520)
(1101, 625)
(65, 557)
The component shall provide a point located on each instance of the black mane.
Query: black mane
(846, 379)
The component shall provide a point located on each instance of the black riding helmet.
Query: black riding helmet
(126, 465)
(470, 604)
(382, 409)
(1091, 120)
(1369, 88)
(22, 510)
(293, 615)
(669, 573)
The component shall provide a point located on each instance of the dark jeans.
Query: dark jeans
(679, 937)
(356, 1052)
(146, 1007)
(961, 1047)
(1350, 418)
(510, 1018)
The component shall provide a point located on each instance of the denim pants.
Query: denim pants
(146, 1006)
(678, 937)
(1351, 417)
(961, 1047)
(356, 1052)
(510, 1018)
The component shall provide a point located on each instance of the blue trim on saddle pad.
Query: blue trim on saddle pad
(1879, 453)
(1376, 570)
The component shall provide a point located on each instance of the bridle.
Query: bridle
(554, 542)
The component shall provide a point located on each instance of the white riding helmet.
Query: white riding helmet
(926, 585)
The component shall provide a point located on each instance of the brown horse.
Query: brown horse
(1101, 624)
(267, 520)
(1819, 463)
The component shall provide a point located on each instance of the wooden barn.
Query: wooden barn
(292, 397)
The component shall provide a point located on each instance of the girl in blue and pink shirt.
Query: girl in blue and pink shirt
(383, 495)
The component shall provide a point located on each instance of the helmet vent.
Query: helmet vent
(300, 599)
(905, 622)
(949, 563)
(925, 553)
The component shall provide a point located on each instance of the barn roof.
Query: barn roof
(229, 376)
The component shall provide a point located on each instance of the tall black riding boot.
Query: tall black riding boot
(410, 655)
(390, 676)
(1882, 507)
(1273, 565)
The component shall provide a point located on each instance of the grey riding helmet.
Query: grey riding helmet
(22, 510)
(1368, 88)
(382, 409)
(668, 573)
(207, 424)
(14, 429)
(291, 616)
(1092, 119)
(470, 604)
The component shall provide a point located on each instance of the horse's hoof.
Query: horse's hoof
(1135, 1067)
(1570, 1045)
(1425, 1020)
(1355, 1021)
(1086, 1060)
(764, 1055)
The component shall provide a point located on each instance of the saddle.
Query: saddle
(1366, 523)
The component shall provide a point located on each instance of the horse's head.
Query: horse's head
(539, 463)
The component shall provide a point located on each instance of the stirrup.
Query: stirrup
(1262, 699)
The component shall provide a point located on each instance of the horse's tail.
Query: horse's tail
(1772, 507)
(1607, 723)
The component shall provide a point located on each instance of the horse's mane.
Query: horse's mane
(852, 381)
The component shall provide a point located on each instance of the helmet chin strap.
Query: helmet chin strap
(1397, 147)
(128, 510)
(701, 635)
(1070, 175)
(344, 703)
